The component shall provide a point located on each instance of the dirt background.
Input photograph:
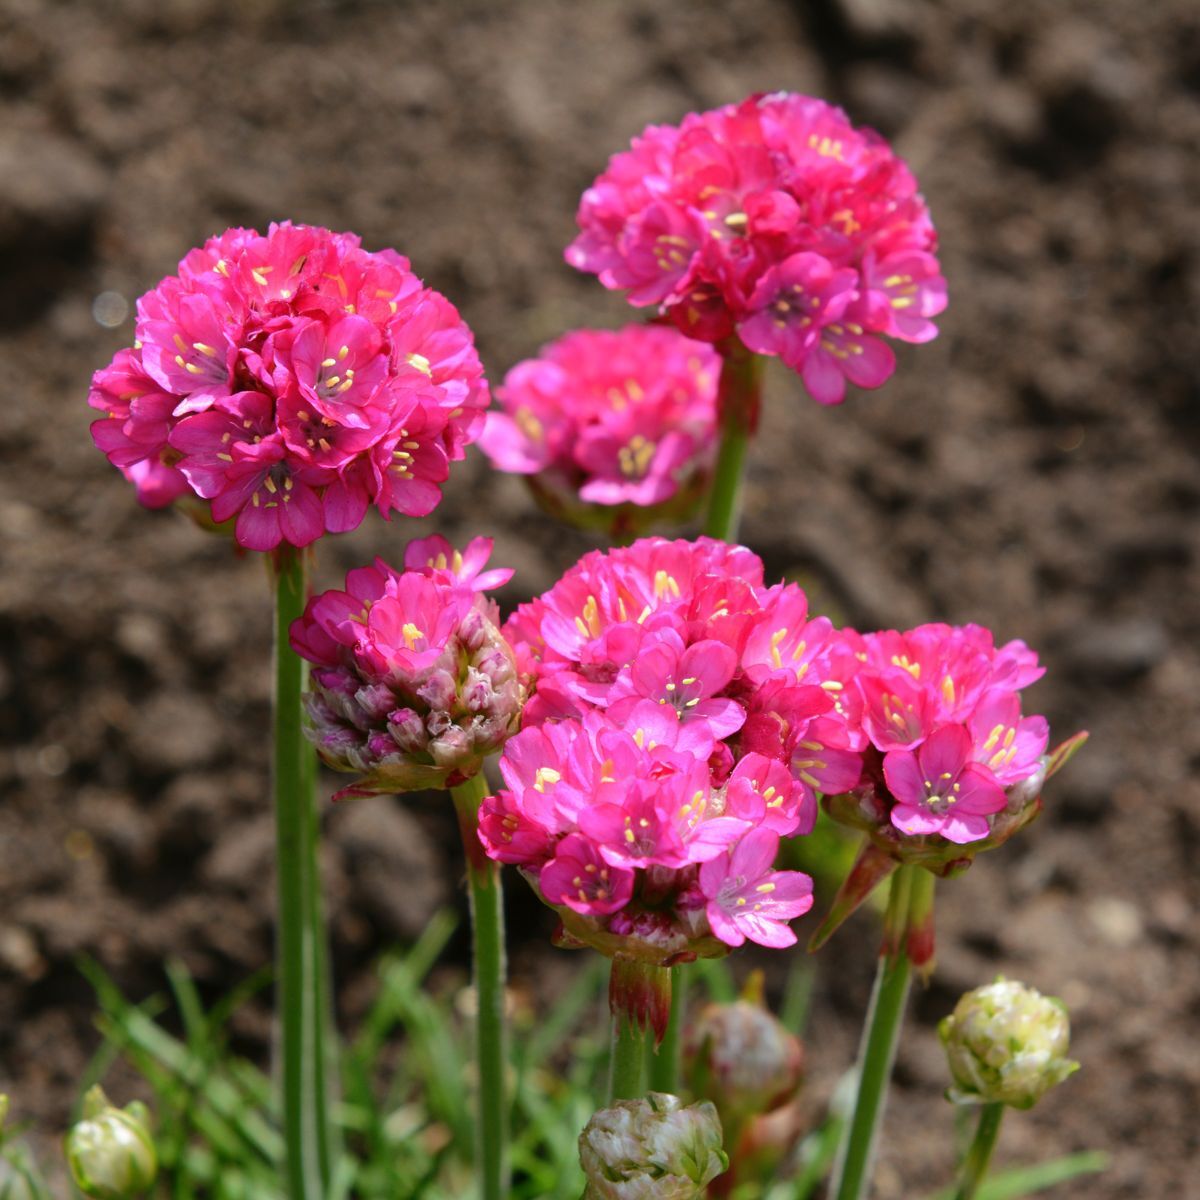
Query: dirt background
(1035, 469)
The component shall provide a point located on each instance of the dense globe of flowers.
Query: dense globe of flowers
(948, 755)
(1006, 1043)
(684, 718)
(610, 418)
(412, 683)
(777, 220)
(290, 381)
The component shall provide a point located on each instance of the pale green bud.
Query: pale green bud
(742, 1058)
(1006, 1044)
(110, 1152)
(652, 1149)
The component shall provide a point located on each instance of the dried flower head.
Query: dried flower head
(652, 1149)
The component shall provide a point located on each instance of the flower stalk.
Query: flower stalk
(303, 991)
(640, 1000)
(739, 398)
(852, 1171)
(626, 1079)
(663, 1059)
(975, 1165)
(487, 950)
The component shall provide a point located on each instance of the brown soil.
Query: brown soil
(1034, 469)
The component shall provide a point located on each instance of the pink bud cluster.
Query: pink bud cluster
(412, 683)
(778, 220)
(938, 717)
(291, 380)
(613, 417)
(685, 717)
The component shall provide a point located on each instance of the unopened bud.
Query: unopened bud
(451, 747)
(652, 1149)
(439, 690)
(110, 1152)
(376, 700)
(1006, 1044)
(407, 729)
(478, 692)
(742, 1058)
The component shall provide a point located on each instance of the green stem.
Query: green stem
(664, 1061)
(975, 1165)
(326, 1068)
(628, 1059)
(302, 990)
(487, 947)
(739, 397)
(878, 1051)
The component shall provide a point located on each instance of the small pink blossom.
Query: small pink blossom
(1009, 745)
(778, 218)
(938, 789)
(746, 899)
(435, 555)
(582, 880)
(291, 380)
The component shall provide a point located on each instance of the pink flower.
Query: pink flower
(609, 418)
(747, 899)
(1009, 745)
(435, 556)
(134, 433)
(792, 303)
(777, 218)
(937, 713)
(683, 715)
(291, 380)
(581, 879)
(413, 685)
(938, 789)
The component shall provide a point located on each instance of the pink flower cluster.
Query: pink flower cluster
(937, 714)
(778, 220)
(684, 718)
(291, 380)
(624, 417)
(412, 683)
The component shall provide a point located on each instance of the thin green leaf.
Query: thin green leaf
(1018, 1182)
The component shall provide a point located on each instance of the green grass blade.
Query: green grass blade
(1018, 1182)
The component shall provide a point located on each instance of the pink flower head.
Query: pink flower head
(936, 710)
(290, 381)
(683, 714)
(776, 218)
(412, 685)
(609, 419)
